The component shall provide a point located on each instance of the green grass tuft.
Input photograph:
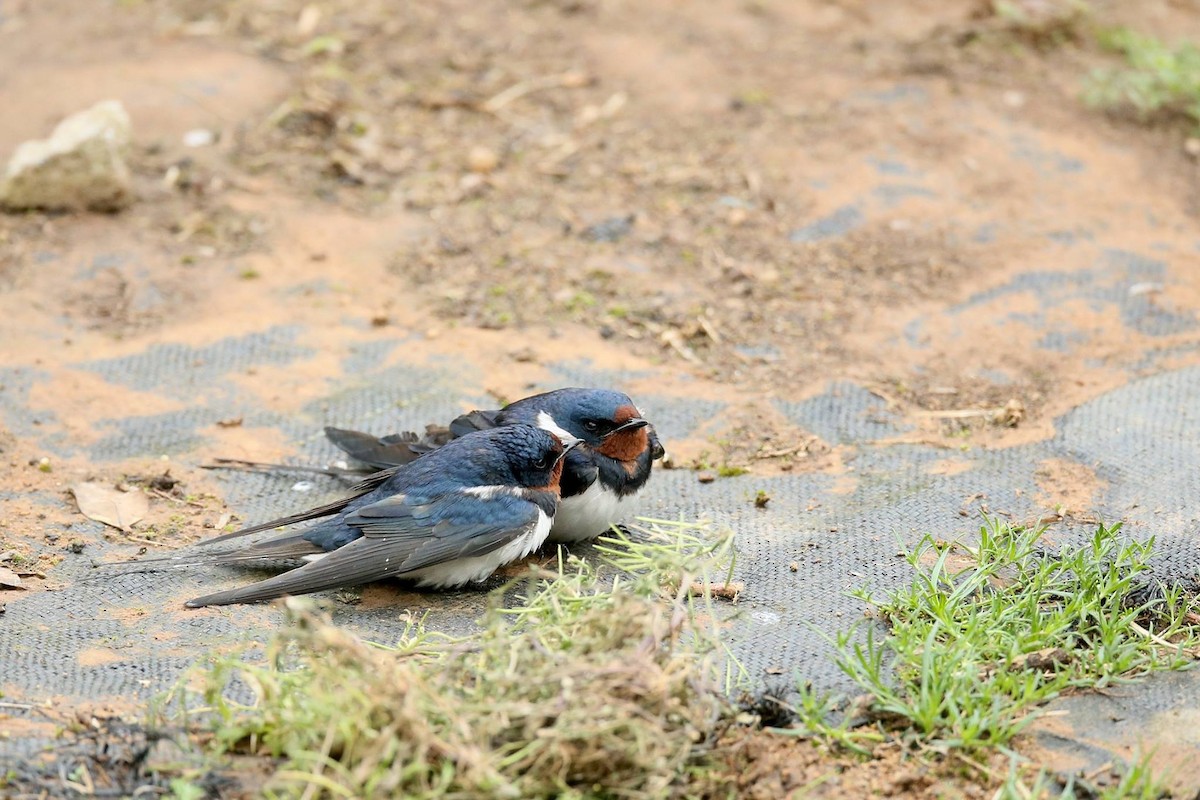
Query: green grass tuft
(985, 635)
(1050, 22)
(585, 685)
(1159, 78)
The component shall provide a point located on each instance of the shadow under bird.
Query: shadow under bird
(601, 477)
(450, 518)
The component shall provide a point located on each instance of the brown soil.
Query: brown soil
(523, 183)
(762, 765)
(1068, 488)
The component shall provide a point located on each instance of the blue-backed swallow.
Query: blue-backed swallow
(600, 480)
(601, 477)
(450, 518)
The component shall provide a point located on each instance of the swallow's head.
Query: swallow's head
(607, 422)
(534, 456)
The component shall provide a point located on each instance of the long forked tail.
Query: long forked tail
(270, 589)
(283, 548)
(360, 562)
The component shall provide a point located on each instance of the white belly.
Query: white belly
(591, 514)
(478, 568)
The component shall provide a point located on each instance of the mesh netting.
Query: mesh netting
(820, 536)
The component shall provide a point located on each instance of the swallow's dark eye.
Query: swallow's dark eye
(591, 425)
(540, 463)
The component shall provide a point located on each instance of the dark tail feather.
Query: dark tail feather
(292, 546)
(270, 589)
(474, 421)
(384, 451)
(377, 451)
(245, 594)
(280, 548)
(359, 562)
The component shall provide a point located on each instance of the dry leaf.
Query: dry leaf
(9, 579)
(103, 503)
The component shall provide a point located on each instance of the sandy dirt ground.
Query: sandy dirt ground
(754, 197)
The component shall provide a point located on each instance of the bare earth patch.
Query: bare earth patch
(739, 200)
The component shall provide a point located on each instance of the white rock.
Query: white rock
(199, 137)
(81, 166)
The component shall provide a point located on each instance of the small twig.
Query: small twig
(268, 469)
(980, 768)
(888, 400)
(674, 340)
(787, 451)
(165, 496)
(310, 791)
(140, 540)
(87, 788)
(914, 440)
(17, 706)
(1154, 637)
(960, 413)
(519, 90)
(710, 329)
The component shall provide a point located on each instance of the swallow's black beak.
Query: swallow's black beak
(657, 451)
(569, 443)
(631, 425)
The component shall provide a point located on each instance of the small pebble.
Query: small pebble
(482, 159)
(199, 137)
(307, 22)
(1014, 99)
(706, 477)
(525, 355)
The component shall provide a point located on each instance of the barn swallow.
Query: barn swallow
(600, 480)
(450, 518)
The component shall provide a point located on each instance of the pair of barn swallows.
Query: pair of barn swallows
(450, 508)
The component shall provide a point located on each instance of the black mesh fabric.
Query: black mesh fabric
(820, 537)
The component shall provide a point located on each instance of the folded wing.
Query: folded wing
(401, 537)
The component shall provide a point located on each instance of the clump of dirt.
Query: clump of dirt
(1069, 488)
(951, 404)
(100, 755)
(551, 200)
(754, 437)
(764, 765)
